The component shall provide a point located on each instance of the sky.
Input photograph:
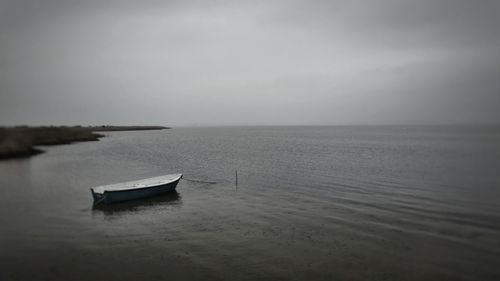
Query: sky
(210, 63)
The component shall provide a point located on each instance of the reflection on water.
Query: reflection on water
(169, 199)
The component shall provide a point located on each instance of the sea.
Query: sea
(260, 203)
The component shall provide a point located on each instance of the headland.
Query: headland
(21, 141)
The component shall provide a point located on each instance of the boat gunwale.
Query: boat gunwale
(176, 179)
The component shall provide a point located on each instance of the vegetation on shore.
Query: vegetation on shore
(21, 141)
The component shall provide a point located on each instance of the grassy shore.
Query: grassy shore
(22, 141)
(125, 128)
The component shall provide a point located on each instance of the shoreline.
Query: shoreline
(21, 141)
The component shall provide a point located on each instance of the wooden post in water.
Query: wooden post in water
(236, 172)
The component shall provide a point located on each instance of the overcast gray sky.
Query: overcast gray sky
(249, 62)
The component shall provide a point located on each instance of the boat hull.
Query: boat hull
(109, 197)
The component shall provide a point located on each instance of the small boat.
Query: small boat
(118, 192)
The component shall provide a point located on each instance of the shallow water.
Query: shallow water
(312, 203)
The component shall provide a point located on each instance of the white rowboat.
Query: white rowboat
(118, 192)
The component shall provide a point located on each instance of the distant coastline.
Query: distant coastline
(21, 141)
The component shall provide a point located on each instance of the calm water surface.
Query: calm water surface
(313, 203)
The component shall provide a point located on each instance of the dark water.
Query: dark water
(313, 203)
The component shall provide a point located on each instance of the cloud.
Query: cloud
(249, 62)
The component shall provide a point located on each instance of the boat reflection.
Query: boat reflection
(169, 199)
